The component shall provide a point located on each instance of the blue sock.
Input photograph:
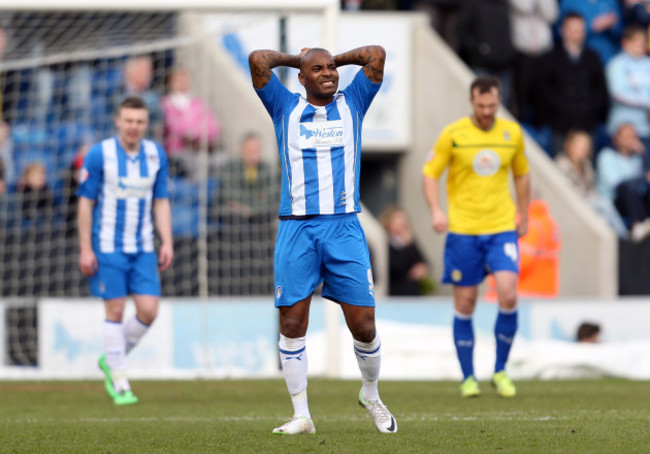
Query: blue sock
(504, 331)
(464, 341)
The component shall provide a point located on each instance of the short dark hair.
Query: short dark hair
(631, 31)
(133, 102)
(572, 15)
(250, 135)
(573, 133)
(587, 330)
(484, 84)
(311, 51)
(316, 49)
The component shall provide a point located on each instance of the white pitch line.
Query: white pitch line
(514, 416)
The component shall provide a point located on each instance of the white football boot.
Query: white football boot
(384, 420)
(297, 425)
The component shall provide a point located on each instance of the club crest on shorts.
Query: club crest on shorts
(278, 292)
(510, 250)
(456, 275)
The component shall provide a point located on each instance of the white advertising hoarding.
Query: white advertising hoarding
(387, 125)
(70, 339)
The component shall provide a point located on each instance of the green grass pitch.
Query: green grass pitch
(237, 416)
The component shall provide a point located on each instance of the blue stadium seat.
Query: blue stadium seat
(68, 136)
(184, 199)
(541, 135)
(107, 77)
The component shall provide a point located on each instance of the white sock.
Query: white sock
(115, 348)
(133, 332)
(369, 359)
(293, 357)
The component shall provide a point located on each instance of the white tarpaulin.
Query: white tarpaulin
(237, 338)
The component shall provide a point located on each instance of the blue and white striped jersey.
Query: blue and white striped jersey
(123, 188)
(319, 146)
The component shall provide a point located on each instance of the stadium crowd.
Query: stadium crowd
(576, 75)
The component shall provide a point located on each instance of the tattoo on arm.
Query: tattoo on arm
(260, 70)
(262, 62)
(372, 58)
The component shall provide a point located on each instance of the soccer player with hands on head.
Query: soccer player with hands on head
(480, 152)
(320, 239)
(122, 195)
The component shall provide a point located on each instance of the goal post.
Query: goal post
(55, 89)
(330, 9)
(173, 5)
(57, 94)
(62, 67)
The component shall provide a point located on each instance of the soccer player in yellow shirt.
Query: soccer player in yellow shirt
(480, 151)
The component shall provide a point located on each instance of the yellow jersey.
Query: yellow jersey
(478, 189)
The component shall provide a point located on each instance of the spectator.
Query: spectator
(588, 332)
(604, 24)
(444, 16)
(189, 123)
(575, 162)
(539, 261)
(3, 42)
(486, 42)
(36, 199)
(408, 269)
(31, 242)
(376, 5)
(571, 88)
(138, 75)
(247, 181)
(382, 5)
(5, 156)
(351, 5)
(622, 179)
(71, 184)
(249, 195)
(539, 249)
(628, 78)
(637, 12)
(532, 36)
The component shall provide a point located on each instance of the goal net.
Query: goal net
(62, 74)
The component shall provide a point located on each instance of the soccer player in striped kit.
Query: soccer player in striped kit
(122, 194)
(320, 239)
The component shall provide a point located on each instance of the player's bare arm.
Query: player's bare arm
(438, 217)
(263, 61)
(522, 188)
(87, 259)
(372, 58)
(163, 220)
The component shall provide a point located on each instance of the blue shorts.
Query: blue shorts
(469, 258)
(324, 249)
(119, 275)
